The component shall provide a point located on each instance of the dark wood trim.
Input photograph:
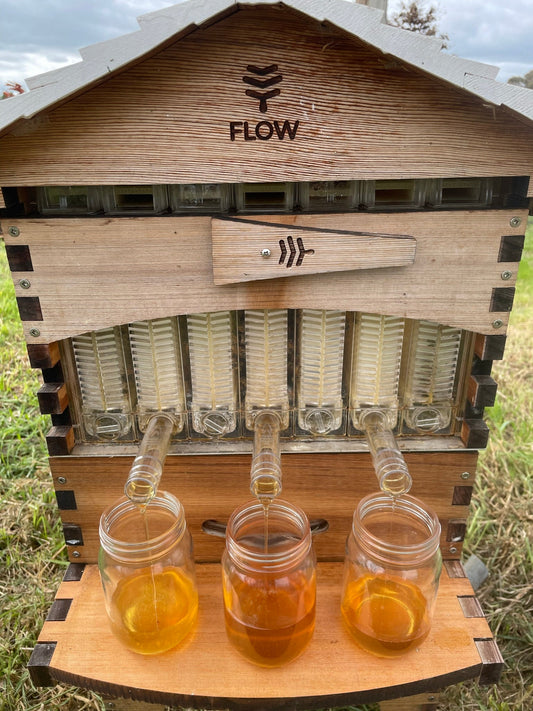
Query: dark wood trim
(511, 247)
(502, 299)
(19, 257)
(29, 308)
(39, 664)
(474, 434)
(43, 355)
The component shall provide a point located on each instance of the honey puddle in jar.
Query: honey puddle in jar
(387, 616)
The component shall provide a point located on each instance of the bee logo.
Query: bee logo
(262, 84)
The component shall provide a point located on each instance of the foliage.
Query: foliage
(415, 17)
(10, 88)
(525, 81)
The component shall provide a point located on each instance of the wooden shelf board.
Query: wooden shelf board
(206, 672)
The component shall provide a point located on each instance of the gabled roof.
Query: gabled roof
(160, 27)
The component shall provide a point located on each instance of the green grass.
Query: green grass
(500, 532)
(32, 555)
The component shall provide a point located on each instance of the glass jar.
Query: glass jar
(147, 571)
(269, 582)
(391, 574)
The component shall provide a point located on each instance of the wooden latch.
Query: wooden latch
(250, 249)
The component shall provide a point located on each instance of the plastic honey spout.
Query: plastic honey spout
(389, 464)
(265, 481)
(145, 474)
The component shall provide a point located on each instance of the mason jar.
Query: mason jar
(391, 574)
(147, 571)
(269, 582)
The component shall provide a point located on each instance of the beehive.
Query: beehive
(233, 174)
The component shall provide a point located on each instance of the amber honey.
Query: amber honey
(153, 612)
(271, 621)
(387, 616)
(269, 582)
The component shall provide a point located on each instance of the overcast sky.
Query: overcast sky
(39, 35)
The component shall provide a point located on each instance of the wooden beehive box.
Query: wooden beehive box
(437, 157)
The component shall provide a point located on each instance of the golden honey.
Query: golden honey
(154, 612)
(147, 570)
(387, 616)
(391, 577)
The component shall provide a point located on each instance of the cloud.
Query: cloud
(38, 36)
(487, 31)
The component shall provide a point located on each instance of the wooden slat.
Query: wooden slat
(490, 347)
(88, 655)
(247, 250)
(53, 398)
(211, 487)
(97, 273)
(481, 391)
(43, 355)
(168, 118)
(474, 433)
(60, 440)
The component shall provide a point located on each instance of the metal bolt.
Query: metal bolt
(61, 480)
(77, 554)
(266, 253)
(506, 275)
(24, 283)
(465, 475)
(515, 221)
(35, 332)
(14, 231)
(497, 323)
(452, 549)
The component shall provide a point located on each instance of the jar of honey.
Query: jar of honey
(147, 571)
(269, 582)
(391, 577)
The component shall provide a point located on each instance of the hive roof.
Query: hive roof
(156, 29)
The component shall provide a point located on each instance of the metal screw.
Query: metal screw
(506, 275)
(465, 475)
(266, 253)
(61, 480)
(24, 283)
(14, 231)
(498, 323)
(452, 549)
(515, 221)
(35, 332)
(77, 554)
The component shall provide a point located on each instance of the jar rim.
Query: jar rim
(405, 504)
(141, 550)
(256, 559)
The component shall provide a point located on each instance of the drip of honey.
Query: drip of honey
(152, 612)
(386, 615)
(270, 619)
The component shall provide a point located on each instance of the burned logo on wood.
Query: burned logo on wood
(262, 79)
